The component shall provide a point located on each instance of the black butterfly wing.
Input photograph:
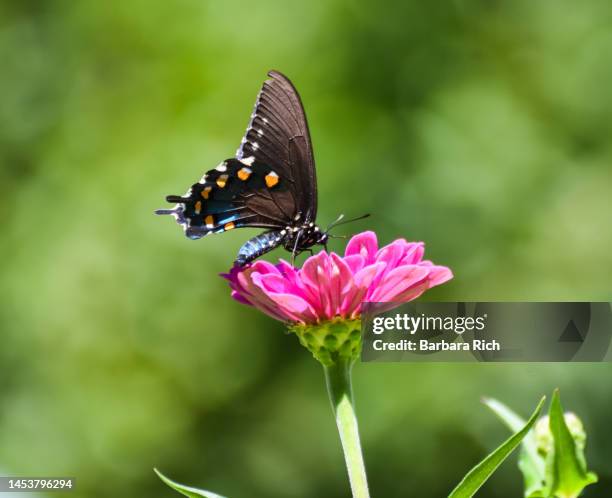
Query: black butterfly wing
(269, 184)
(278, 136)
(233, 195)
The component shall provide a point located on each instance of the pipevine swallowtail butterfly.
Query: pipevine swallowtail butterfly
(270, 184)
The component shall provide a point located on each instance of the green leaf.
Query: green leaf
(476, 477)
(511, 419)
(187, 490)
(530, 462)
(569, 475)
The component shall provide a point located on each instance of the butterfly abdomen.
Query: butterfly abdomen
(261, 244)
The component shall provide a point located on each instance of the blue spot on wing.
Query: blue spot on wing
(222, 220)
(217, 207)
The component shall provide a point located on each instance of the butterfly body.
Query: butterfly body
(294, 239)
(270, 184)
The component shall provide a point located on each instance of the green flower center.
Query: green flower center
(331, 341)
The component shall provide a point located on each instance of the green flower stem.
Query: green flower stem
(338, 380)
(336, 345)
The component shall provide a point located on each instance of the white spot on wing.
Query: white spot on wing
(222, 167)
(248, 160)
(239, 152)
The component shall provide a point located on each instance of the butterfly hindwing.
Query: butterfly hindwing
(235, 194)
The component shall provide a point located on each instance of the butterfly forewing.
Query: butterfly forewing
(278, 135)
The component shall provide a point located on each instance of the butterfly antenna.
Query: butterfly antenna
(339, 221)
(334, 223)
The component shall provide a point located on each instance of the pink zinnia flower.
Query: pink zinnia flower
(330, 286)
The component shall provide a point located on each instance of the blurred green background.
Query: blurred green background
(480, 127)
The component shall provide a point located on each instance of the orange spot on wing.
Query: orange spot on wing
(229, 226)
(222, 181)
(206, 192)
(271, 179)
(198, 207)
(210, 221)
(244, 173)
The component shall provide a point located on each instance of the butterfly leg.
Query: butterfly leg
(295, 252)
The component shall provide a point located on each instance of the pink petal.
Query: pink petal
(414, 253)
(355, 262)
(271, 283)
(296, 308)
(241, 298)
(411, 293)
(264, 268)
(438, 275)
(314, 282)
(294, 281)
(392, 253)
(345, 273)
(325, 288)
(363, 279)
(365, 244)
(406, 296)
(263, 302)
(397, 281)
